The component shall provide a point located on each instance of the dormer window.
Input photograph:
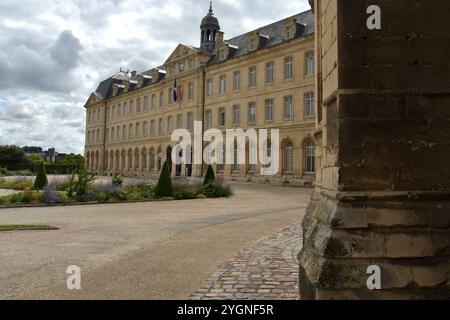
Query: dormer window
(288, 32)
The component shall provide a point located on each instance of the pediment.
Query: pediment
(93, 99)
(181, 52)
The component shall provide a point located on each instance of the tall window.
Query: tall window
(289, 158)
(137, 130)
(288, 32)
(179, 121)
(118, 133)
(161, 127)
(288, 108)
(190, 121)
(236, 115)
(289, 68)
(210, 87)
(222, 118)
(235, 166)
(309, 63)
(252, 112)
(124, 109)
(169, 96)
(221, 166)
(237, 81)
(310, 152)
(252, 77)
(152, 128)
(119, 111)
(223, 85)
(153, 102)
(191, 91)
(138, 107)
(309, 104)
(269, 110)
(170, 125)
(138, 104)
(145, 129)
(208, 119)
(130, 131)
(161, 99)
(132, 110)
(112, 134)
(269, 72)
(124, 132)
(113, 114)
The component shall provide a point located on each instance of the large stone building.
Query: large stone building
(261, 79)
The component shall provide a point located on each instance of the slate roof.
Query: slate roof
(238, 47)
(274, 32)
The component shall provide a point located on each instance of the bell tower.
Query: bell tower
(209, 28)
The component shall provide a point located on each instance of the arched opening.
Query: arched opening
(97, 160)
(117, 161)
(159, 159)
(179, 165)
(188, 167)
(152, 159)
(144, 156)
(111, 161)
(130, 160)
(136, 159)
(123, 160)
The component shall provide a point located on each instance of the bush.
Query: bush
(50, 195)
(60, 185)
(21, 185)
(164, 188)
(117, 180)
(80, 185)
(216, 190)
(41, 178)
(210, 176)
(184, 191)
(2, 171)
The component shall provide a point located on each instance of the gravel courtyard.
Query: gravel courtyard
(157, 250)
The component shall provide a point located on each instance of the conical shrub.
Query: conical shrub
(210, 176)
(41, 177)
(164, 188)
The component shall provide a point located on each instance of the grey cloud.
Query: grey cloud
(66, 50)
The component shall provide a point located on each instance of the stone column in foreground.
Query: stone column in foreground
(383, 193)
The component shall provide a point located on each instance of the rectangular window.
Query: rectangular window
(132, 110)
(269, 110)
(124, 132)
(269, 72)
(190, 121)
(252, 112)
(136, 130)
(179, 121)
(223, 85)
(309, 105)
(153, 102)
(161, 99)
(222, 118)
(130, 131)
(124, 109)
(152, 128)
(208, 119)
(118, 134)
(252, 77)
(309, 63)
(288, 108)
(161, 127)
(145, 129)
(191, 91)
(289, 68)
(119, 111)
(146, 104)
(138, 104)
(113, 114)
(170, 125)
(169, 96)
(138, 107)
(237, 81)
(236, 115)
(210, 88)
(112, 134)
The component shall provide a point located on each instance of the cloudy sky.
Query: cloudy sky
(53, 53)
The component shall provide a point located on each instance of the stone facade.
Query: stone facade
(382, 195)
(225, 84)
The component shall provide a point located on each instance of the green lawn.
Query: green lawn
(25, 227)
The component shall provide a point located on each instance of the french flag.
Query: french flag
(174, 91)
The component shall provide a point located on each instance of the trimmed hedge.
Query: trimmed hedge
(164, 188)
(41, 178)
(210, 176)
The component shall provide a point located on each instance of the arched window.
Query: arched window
(289, 158)
(235, 165)
(130, 159)
(310, 153)
(144, 156)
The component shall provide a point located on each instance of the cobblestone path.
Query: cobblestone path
(267, 270)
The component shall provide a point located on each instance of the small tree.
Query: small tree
(210, 176)
(164, 188)
(41, 177)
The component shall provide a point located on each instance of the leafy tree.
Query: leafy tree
(164, 188)
(210, 176)
(11, 155)
(34, 160)
(72, 160)
(41, 177)
(28, 149)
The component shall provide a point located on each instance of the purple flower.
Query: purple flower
(109, 187)
(50, 195)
